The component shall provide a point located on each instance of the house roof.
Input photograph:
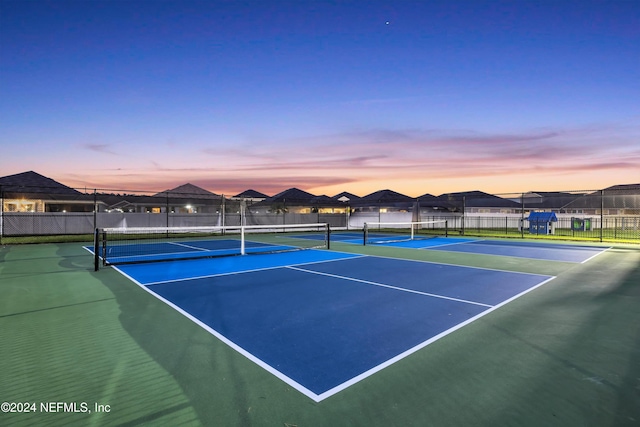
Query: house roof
(386, 196)
(296, 197)
(188, 190)
(542, 217)
(549, 199)
(346, 197)
(327, 201)
(632, 188)
(427, 196)
(291, 196)
(477, 199)
(32, 182)
(251, 194)
(429, 200)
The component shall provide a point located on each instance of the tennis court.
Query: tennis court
(323, 321)
(519, 249)
(400, 333)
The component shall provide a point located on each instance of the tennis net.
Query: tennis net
(390, 232)
(151, 244)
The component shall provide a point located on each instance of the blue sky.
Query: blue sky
(415, 96)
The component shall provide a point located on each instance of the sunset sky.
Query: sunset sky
(327, 96)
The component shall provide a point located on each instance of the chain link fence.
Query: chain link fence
(610, 215)
(63, 214)
(51, 214)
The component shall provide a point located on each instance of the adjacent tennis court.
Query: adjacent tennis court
(519, 249)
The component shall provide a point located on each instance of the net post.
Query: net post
(104, 248)
(413, 228)
(446, 228)
(96, 250)
(365, 234)
(328, 236)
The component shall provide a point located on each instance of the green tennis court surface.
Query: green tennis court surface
(566, 353)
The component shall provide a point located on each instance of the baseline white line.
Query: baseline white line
(353, 279)
(592, 257)
(450, 244)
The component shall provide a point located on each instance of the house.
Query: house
(294, 200)
(186, 199)
(429, 203)
(250, 196)
(615, 200)
(479, 202)
(554, 201)
(384, 201)
(32, 192)
(189, 198)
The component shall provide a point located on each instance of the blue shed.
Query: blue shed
(542, 222)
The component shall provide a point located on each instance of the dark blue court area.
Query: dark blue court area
(323, 320)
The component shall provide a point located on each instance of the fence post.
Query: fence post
(522, 216)
(95, 208)
(166, 208)
(96, 249)
(222, 210)
(348, 214)
(601, 214)
(464, 205)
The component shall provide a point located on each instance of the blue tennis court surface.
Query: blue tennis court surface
(323, 320)
(519, 249)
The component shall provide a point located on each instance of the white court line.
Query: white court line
(599, 253)
(450, 244)
(353, 279)
(189, 246)
(231, 273)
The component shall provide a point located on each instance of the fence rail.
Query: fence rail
(15, 224)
